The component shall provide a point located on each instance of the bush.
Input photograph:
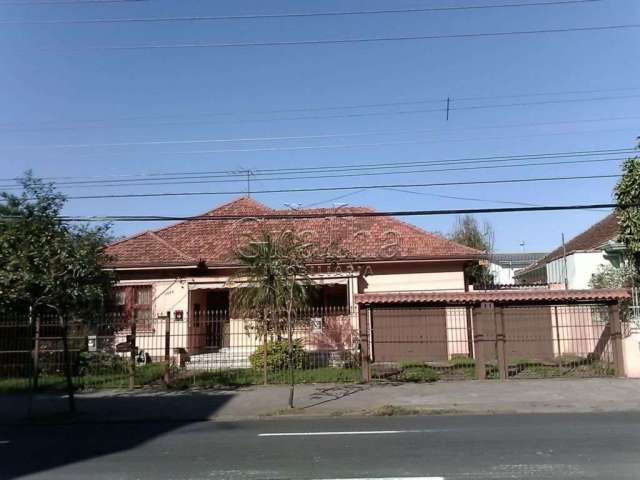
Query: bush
(100, 363)
(278, 355)
(419, 374)
(462, 361)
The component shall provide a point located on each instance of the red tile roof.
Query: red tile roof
(591, 239)
(496, 296)
(214, 241)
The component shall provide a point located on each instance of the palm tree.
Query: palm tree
(275, 284)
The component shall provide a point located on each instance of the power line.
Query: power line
(358, 174)
(340, 41)
(104, 123)
(68, 2)
(333, 213)
(206, 18)
(330, 189)
(448, 109)
(301, 137)
(155, 177)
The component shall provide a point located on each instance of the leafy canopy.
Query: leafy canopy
(273, 280)
(468, 231)
(45, 263)
(627, 192)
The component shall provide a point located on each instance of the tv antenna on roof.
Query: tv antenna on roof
(293, 206)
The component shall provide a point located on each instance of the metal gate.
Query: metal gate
(409, 334)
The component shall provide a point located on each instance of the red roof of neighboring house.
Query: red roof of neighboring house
(593, 238)
(497, 296)
(213, 241)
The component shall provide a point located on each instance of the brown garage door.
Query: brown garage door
(528, 332)
(409, 334)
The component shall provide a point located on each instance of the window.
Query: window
(135, 303)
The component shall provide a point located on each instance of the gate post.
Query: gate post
(167, 349)
(132, 356)
(500, 342)
(365, 365)
(616, 340)
(478, 339)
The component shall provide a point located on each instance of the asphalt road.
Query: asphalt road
(451, 447)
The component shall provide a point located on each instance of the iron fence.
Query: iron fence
(206, 347)
(493, 341)
(399, 343)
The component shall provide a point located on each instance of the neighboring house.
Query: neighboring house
(184, 269)
(580, 257)
(503, 266)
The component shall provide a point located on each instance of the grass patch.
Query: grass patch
(394, 410)
(247, 376)
(419, 374)
(145, 375)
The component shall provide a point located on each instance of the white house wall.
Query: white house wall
(580, 267)
(415, 282)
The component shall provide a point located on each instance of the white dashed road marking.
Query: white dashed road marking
(364, 432)
(4, 442)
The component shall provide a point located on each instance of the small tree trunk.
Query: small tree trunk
(264, 358)
(290, 358)
(67, 364)
(35, 363)
(265, 342)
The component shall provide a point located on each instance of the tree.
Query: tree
(627, 192)
(467, 231)
(48, 266)
(275, 286)
(610, 276)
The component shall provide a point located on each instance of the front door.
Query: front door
(216, 318)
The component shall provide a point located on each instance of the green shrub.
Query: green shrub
(419, 374)
(407, 365)
(278, 355)
(462, 361)
(100, 363)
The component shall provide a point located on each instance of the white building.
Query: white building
(580, 258)
(503, 266)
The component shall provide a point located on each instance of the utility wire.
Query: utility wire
(103, 123)
(263, 16)
(337, 41)
(357, 174)
(333, 213)
(346, 188)
(68, 2)
(331, 116)
(257, 173)
(301, 137)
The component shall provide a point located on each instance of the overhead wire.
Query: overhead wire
(263, 16)
(334, 41)
(156, 178)
(337, 213)
(339, 188)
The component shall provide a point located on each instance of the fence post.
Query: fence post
(500, 342)
(365, 364)
(132, 358)
(167, 349)
(478, 339)
(616, 339)
(35, 358)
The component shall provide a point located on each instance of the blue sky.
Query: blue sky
(54, 94)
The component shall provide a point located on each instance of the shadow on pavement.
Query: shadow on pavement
(104, 425)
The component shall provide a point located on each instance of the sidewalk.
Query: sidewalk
(472, 397)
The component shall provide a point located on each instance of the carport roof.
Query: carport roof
(496, 296)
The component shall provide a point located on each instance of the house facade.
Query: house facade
(580, 258)
(176, 274)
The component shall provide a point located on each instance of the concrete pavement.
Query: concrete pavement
(481, 397)
(549, 446)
